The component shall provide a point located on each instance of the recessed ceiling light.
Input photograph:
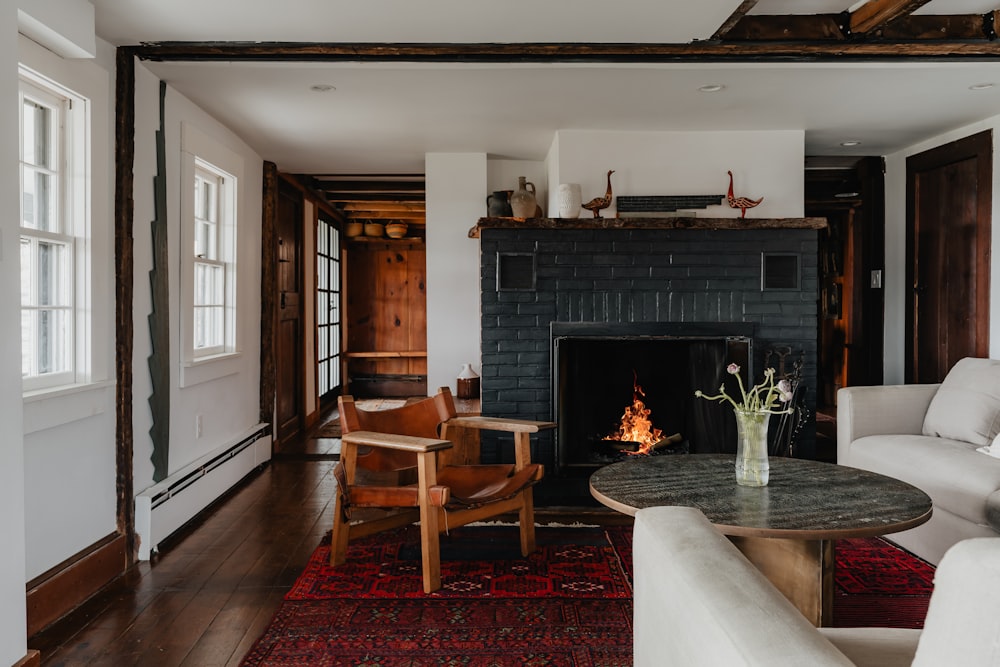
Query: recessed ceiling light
(322, 88)
(850, 142)
(711, 88)
(981, 86)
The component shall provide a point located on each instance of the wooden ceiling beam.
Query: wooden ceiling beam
(386, 219)
(704, 51)
(369, 186)
(378, 205)
(875, 14)
(787, 27)
(937, 26)
(734, 18)
(829, 27)
(388, 197)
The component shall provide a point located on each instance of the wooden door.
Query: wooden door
(948, 256)
(289, 348)
(850, 194)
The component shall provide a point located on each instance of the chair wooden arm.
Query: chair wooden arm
(501, 424)
(391, 441)
(521, 428)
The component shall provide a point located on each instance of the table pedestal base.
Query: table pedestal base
(801, 569)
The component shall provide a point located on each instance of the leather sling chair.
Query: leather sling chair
(418, 462)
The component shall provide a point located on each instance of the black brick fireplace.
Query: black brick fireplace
(695, 286)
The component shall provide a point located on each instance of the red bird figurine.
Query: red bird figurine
(742, 203)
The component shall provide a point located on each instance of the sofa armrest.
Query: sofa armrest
(699, 601)
(880, 410)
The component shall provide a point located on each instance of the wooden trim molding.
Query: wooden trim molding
(32, 659)
(60, 590)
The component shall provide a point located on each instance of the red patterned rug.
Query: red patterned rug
(569, 603)
(880, 585)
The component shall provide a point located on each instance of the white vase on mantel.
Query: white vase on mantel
(570, 200)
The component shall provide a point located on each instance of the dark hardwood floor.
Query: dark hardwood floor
(209, 593)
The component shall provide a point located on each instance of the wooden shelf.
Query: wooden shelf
(406, 240)
(646, 223)
(406, 354)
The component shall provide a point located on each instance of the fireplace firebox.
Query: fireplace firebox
(598, 368)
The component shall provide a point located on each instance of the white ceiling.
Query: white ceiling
(383, 118)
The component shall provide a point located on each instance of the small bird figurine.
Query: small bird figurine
(598, 204)
(742, 203)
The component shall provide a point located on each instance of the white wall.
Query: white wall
(12, 560)
(69, 442)
(764, 164)
(894, 282)
(456, 199)
(64, 26)
(227, 404)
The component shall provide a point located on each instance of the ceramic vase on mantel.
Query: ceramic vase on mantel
(570, 200)
(468, 382)
(752, 466)
(522, 201)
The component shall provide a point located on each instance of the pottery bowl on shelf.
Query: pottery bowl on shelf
(374, 229)
(396, 230)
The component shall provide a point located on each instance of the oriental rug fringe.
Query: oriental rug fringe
(569, 603)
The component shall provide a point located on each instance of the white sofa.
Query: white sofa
(699, 601)
(932, 436)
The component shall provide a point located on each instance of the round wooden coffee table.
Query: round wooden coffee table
(786, 528)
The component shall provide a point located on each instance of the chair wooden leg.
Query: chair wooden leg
(340, 536)
(526, 516)
(430, 537)
(527, 519)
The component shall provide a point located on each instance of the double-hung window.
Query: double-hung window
(210, 178)
(209, 305)
(53, 220)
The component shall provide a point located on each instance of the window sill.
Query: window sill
(210, 368)
(47, 408)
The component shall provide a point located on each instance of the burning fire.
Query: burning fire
(636, 425)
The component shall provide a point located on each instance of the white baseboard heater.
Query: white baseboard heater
(164, 507)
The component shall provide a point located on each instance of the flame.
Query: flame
(636, 426)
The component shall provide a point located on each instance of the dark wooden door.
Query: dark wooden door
(948, 255)
(850, 194)
(289, 347)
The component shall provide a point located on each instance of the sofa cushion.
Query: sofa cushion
(951, 472)
(993, 510)
(967, 405)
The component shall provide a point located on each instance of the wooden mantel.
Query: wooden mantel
(646, 223)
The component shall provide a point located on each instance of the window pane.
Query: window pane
(52, 335)
(209, 285)
(27, 268)
(204, 240)
(37, 134)
(27, 335)
(53, 269)
(38, 200)
(209, 327)
(200, 335)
